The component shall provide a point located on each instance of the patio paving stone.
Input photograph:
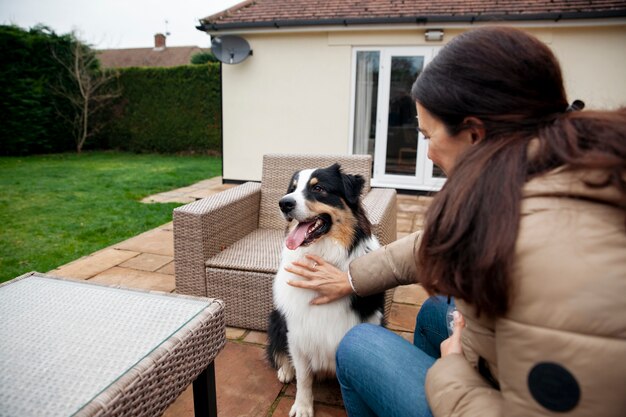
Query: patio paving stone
(158, 241)
(234, 333)
(199, 194)
(405, 225)
(88, 266)
(167, 269)
(259, 338)
(147, 262)
(410, 294)
(402, 317)
(246, 385)
(133, 278)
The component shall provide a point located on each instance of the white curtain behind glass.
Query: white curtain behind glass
(366, 86)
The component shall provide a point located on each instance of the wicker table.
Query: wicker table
(71, 348)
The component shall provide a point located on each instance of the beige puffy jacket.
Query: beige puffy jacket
(561, 348)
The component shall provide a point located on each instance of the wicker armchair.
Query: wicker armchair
(229, 245)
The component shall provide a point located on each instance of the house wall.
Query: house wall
(294, 94)
(291, 96)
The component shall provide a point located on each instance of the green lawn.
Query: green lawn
(57, 208)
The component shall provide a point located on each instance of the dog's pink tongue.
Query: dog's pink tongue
(297, 236)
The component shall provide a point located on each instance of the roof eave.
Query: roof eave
(417, 20)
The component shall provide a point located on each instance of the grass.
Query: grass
(57, 208)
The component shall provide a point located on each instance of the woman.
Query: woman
(528, 235)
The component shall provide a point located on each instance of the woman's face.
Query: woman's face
(443, 149)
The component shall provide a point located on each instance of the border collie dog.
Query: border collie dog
(329, 222)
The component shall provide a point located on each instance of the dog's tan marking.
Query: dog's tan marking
(313, 181)
(344, 222)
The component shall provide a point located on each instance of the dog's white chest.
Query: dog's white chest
(314, 330)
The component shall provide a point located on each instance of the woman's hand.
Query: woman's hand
(328, 281)
(453, 343)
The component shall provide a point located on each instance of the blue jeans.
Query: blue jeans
(381, 374)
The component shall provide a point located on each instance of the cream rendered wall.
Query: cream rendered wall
(294, 93)
(291, 96)
(593, 61)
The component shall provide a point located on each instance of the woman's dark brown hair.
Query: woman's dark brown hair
(512, 83)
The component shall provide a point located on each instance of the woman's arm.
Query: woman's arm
(387, 267)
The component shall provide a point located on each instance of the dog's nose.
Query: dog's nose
(286, 204)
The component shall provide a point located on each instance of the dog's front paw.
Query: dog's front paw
(301, 410)
(286, 373)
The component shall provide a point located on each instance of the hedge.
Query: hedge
(167, 110)
(28, 104)
(160, 109)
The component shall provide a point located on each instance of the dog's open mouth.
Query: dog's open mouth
(308, 231)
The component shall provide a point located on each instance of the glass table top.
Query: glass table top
(63, 342)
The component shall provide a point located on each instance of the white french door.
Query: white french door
(383, 117)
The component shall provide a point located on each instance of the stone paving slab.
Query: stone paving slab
(235, 333)
(159, 241)
(259, 338)
(91, 265)
(147, 262)
(410, 294)
(246, 385)
(133, 278)
(167, 269)
(402, 317)
(191, 193)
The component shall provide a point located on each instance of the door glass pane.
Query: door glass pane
(401, 132)
(366, 95)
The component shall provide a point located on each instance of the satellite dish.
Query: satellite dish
(230, 49)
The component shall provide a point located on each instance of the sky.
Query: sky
(108, 24)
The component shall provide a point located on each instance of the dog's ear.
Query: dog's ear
(353, 186)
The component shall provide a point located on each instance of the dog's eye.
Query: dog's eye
(317, 189)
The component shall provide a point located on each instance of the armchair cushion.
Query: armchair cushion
(258, 252)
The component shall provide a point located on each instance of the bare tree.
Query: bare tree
(87, 89)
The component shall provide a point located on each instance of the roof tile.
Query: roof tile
(147, 57)
(251, 11)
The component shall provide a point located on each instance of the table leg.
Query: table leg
(204, 394)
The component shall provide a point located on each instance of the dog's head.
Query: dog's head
(325, 202)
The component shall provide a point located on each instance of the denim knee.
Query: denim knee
(432, 309)
(430, 326)
(348, 349)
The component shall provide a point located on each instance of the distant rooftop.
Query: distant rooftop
(280, 13)
(158, 56)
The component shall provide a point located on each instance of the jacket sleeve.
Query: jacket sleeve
(386, 267)
(455, 388)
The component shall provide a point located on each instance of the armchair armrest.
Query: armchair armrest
(205, 227)
(380, 206)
